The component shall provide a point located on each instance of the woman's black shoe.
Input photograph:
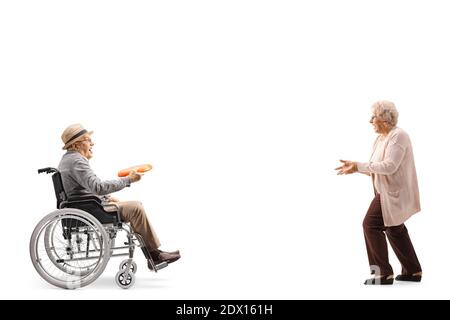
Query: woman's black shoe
(380, 280)
(407, 277)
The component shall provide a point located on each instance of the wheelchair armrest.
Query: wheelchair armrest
(73, 201)
(93, 206)
(84, 198)
(116, 209)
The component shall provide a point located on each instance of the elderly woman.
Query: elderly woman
(394, 178)
(79, 179)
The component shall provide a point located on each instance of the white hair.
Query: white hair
(387, 111)
(74, 147)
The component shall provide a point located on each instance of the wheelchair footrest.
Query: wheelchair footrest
(161, 265)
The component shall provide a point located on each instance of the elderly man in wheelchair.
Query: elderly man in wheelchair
(71, 246)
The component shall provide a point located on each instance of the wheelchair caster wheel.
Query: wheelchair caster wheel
(124, 265)
(123, 281)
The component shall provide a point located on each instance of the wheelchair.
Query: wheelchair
(71, 246)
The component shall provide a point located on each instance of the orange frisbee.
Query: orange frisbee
(139, 169)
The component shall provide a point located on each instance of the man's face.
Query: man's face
(85, 146)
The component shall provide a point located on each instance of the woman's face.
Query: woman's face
(379, 125)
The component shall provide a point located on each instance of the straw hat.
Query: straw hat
(72, 134)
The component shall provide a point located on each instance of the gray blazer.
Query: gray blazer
(78, 178)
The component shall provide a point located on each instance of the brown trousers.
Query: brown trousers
(134, 213)
(375, 235)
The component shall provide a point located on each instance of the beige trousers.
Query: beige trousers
(134, 213)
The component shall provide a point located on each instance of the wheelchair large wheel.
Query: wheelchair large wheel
(74, 244)
(69, 248)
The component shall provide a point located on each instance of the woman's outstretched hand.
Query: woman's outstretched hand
(348, 167)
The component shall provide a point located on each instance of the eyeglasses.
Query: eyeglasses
(379, 119)
(88, 140)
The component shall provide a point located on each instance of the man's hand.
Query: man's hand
(348, 167)
(113, 200)
(134, 177)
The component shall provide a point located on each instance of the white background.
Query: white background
(243, 108)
